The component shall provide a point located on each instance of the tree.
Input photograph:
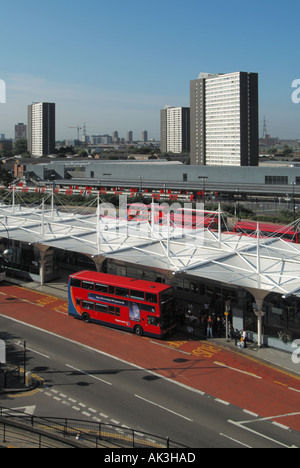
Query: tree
(83, 154)
(287, 150)
(20, 146)
(5, 177)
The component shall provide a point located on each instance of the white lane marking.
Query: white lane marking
(250, 413)
(223, 402)
(89, 375)
(234, 440)
(241, 425)
(21, 345)
(162, 407)
(282, 426)
(237, 370)
(294, 389)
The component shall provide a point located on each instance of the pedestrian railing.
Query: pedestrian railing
(88, 433)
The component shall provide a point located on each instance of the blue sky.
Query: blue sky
(114, 65)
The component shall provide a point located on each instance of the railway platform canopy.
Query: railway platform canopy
(259, 265)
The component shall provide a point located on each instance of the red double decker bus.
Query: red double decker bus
(194, 218)
(139, 306)
(249, 228)
(141, 212)
(138, 212)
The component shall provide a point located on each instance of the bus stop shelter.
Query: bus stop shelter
(260, 265)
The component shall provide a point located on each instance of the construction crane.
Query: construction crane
(78, 130)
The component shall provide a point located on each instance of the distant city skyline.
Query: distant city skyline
(114, 66)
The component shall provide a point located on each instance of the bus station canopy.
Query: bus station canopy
(266, 264)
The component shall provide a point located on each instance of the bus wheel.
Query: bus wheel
(86, 318)
(138, 330)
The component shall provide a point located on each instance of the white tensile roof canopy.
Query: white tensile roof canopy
(261, 265)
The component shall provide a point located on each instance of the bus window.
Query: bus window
(76, 283)
(122, 292)
(153, 320)
(114, 311)
(87, 305)
(101, 308)
(137, 295)
(151, 298)
(103, 288)
(166, 295)
(88, 285)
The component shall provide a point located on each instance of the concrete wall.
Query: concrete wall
(166, 171)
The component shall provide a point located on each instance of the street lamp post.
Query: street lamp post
(238, 203)
(141, 185)
(7, 252)
(294, 206)
(24, 359)
(203, 179)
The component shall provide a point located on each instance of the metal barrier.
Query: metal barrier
(10, 377)
(87, 433)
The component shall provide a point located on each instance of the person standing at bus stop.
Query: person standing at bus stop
(209, 327)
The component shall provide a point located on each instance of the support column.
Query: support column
(42, 269)
(98, 260)
(259, 314)
(259, 297)
(42, 261)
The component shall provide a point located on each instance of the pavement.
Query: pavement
(280, 360)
